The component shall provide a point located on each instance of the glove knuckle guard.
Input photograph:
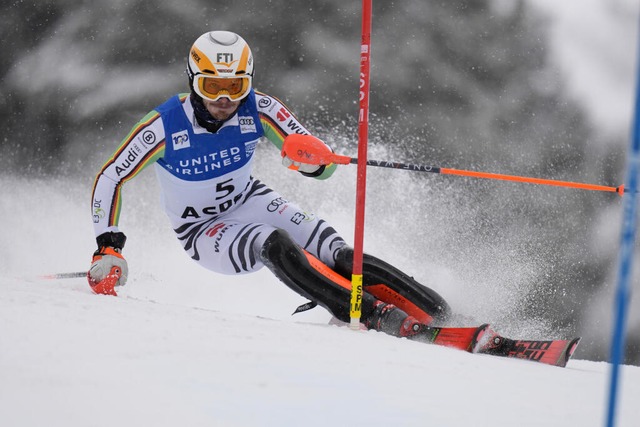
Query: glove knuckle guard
(103, 266)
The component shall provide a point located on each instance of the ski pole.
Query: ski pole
(105, 286)
(55, 276)
(488, 175)
(308, 149)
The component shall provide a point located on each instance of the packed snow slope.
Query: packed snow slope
(164, 353)
(182, 346)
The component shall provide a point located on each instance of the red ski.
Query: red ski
(463, 338)
(550, 352)
(483, 340)
(466, 339)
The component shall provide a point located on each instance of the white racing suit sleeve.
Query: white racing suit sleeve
(142, 146)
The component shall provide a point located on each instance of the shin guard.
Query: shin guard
(388, 284)
(308, 277)
(311, 279)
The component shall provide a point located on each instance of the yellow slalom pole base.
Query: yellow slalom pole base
(356, 301)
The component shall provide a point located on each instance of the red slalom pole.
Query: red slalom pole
(361, 185)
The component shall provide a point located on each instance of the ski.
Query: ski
(461, 338)
(464, 338)
(483, 340)
(550, 352)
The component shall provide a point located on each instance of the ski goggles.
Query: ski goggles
(214, 88)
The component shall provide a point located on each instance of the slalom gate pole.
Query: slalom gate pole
(363, 135)
(626, 255)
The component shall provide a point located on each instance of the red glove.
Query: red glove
(301, 152)
(108, 270)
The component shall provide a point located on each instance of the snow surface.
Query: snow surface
(182, 346)
(149, 358)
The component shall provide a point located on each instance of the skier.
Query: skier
(202, 145)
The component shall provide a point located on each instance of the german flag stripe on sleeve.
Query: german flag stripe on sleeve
(150, 158)
(146, 121)
(272, 130)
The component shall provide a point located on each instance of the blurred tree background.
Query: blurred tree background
(454, 83)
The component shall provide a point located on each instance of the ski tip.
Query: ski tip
(571, 348)
(479, 338)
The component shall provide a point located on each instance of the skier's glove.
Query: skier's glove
(108, 267)
(305, 154)
(303, 168)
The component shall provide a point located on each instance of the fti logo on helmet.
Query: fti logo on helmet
(224, 62)
(225, 58)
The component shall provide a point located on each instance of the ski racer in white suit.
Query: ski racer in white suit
(202, 145)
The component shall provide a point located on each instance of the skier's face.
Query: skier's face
(221, 109)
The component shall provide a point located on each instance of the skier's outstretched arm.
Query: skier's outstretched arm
(142, 147)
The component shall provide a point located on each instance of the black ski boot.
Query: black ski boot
(391, 320)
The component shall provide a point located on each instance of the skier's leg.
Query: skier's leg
(388, 284)
(237, 248)
(290, 264)
(308, 277)
(296, 246)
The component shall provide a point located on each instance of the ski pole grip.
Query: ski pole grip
(341, 160)
(310, 150)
